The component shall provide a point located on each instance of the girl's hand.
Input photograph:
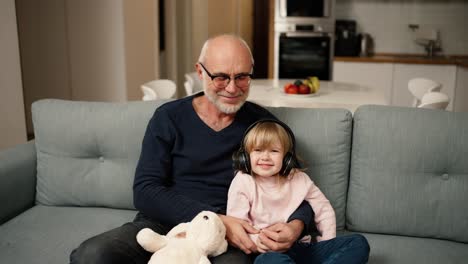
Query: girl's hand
(261, 248)
(280, 237)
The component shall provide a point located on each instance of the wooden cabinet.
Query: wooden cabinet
(392, 80)
(402, 73)
(460, 98)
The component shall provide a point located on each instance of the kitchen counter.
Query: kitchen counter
(268, 92)
(409, 59)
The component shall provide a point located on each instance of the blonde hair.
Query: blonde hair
(265, 134)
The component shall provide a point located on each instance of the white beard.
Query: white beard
(225, 108)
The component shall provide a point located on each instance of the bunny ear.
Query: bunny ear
(181, 235)
(179, 230)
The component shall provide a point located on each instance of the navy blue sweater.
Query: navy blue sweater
(186, 167)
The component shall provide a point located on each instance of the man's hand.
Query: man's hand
(237, 233)
(280, 237)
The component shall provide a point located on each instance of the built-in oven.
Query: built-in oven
(302, 51)
(304, 39)
(303, 11)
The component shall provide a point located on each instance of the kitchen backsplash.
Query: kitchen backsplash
(387, 21)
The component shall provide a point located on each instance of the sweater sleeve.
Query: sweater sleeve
(151, 192)
(324, 214)
(304, 213)
(238, 203)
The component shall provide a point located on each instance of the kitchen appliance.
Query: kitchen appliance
(304, 39)
(347, 41)
(304, 53)
(367, 45)
(303, 11)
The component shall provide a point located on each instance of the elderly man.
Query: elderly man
(185, 165)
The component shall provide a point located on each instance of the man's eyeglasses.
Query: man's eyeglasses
(222, 80)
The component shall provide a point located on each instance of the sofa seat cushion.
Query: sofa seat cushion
(409, 173)
(47, 234)
(410, 250)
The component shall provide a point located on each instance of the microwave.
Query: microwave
(303, 11)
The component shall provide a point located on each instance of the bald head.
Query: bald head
(225, 57)
(225, 44)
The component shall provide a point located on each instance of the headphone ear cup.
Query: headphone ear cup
(246, 163)
(236, 163)
(241, 161)
(289, 162)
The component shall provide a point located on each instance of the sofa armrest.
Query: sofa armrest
(17, 180)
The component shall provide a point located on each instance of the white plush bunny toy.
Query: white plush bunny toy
(204, 236)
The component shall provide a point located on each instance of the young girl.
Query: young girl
(269, 186)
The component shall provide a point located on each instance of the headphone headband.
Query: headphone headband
(266, 120)
(241, 159)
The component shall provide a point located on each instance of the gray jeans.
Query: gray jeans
(119, 245)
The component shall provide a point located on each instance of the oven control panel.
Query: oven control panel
(316, 27)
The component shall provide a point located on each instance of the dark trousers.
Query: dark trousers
(350, 249)
(119, 245)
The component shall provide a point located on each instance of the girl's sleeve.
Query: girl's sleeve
(324, 214)
(238, 203)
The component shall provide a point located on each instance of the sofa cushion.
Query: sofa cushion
(48, 234)
(410, 250)
(409, 173)
(323, 141)
(87, 151)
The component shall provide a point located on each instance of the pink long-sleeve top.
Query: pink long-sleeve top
(263, 201)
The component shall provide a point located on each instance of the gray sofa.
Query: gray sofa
(397, 175)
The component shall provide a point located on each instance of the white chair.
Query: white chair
(192, 83)
(420, 86)
(148, 94)
(158, 89)
(434, 100)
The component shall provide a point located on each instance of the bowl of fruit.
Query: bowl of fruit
(302, 88)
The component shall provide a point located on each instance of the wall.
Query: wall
(42, 32)
(189, 23)
(141, 38)
(96, 50)
(214, 17)
(387, 21)
(12, 121)
(87, 50)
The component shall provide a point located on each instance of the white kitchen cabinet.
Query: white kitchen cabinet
(378, 76)
(461, 90)
(402, 73)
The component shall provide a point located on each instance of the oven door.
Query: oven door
(302, 54)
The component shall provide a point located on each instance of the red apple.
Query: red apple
(304, 89)
(286, 87)
(293, 89)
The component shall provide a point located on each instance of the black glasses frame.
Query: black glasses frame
(213, 76)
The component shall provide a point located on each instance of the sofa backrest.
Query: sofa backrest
(323, 141)
(87, 151)
(409, 173)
